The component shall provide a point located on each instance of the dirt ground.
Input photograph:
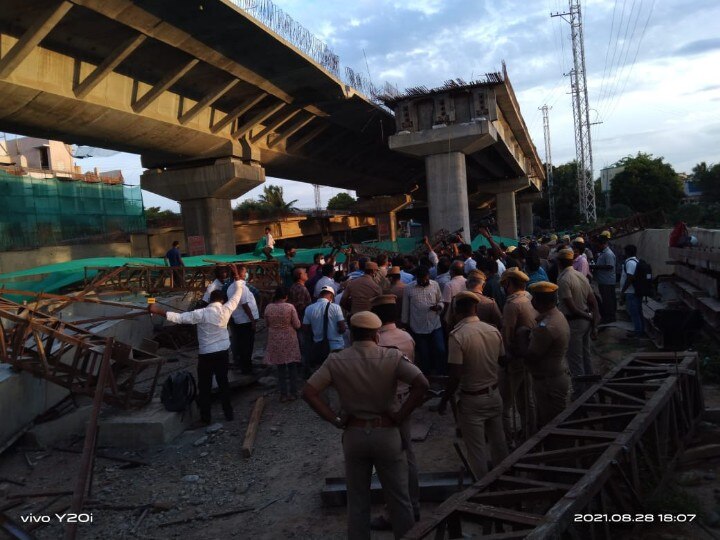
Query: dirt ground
(277, 490)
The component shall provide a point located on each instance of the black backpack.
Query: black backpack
(178, 391)
(643, 281)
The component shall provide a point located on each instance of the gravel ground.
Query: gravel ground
(278, 488)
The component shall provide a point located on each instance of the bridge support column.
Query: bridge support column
(205, 194)
(526, 218)
(506, 216)
(447, 192)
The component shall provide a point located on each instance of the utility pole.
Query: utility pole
(318, 204)
(581, 113)
(548, 165)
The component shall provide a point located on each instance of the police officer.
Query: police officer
(577, 302)
(365, 376)
(389, 335)
(514, 381)
(474, 349)
(544, 353)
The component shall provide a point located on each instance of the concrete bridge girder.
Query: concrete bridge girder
(205, 193)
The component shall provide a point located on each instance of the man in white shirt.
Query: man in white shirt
(466, 253)
(242, 328)
(220, 283)
(328, 272)
(422, 304)
(214, 344)
(627, 292)
(269, 244)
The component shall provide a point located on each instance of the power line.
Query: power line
(632, 65)
(581, 113)
(548, 165)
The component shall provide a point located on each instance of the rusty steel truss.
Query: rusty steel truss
(70, 356)
(606, 454)
(264, 275)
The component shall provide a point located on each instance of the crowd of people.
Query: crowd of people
(506, 330)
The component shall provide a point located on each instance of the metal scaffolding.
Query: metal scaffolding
(581, 114)
(607, 453)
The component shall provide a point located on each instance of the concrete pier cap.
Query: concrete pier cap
(205, 193)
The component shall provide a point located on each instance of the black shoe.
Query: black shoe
(380, 523)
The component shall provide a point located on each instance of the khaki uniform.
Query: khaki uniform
(382, 281)
(398, 289)
(359, 293)
(365, 376)
(572, 284)
(546, 363)
(487, 311)
(390, 335)
(477, 346)
(515, 385)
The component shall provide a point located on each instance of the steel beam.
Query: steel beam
(642, 438)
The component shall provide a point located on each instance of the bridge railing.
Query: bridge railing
(279, 22)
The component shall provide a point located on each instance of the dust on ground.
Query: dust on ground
(277, 490)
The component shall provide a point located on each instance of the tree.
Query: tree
(341, 201)
(153, 213)
(565, 189)
(647, 184)
(273, 197)
(708, 179)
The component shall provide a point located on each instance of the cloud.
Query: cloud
(698, 47)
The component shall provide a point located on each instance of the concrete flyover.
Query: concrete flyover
(476, 148)
(212, 100)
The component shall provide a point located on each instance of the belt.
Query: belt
(380, 422)
(552, 376)
(480, 392)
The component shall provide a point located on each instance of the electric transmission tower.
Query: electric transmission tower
(548, 165)
(581, 113)
(318, 204)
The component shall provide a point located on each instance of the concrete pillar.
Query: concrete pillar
(526, 218)
(506, 216)
(447, 193)
(205, 194)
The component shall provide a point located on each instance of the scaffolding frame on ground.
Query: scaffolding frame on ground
(633, 224)
(70, 356)
(606, 454)
(264, 275)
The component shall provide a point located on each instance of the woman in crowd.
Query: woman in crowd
(283, 349)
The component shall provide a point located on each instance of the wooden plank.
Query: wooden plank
(704, 282)
(249, 442)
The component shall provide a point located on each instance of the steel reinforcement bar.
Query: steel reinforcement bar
(70, 356)
(605, 455)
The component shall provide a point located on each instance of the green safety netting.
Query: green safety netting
(48, 211)
(55, 277)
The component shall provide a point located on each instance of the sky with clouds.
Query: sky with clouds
(652, 68)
